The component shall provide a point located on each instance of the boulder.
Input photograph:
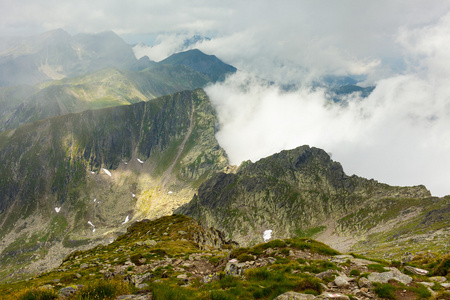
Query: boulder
(439, 279)
(324, 274)
(234, 268)
(364, 282)
(416, 271)
(341, 281)
(394, 274)
(295, 296)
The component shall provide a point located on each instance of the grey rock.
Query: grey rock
(364, 282)
(334, 296)
(150, 243)
(341, 258)
(427, 284)
(295, 296)
(272, 260)
(84, 266)
(181, 232)
(341, 281)
(394, 274)
(322, 275)
(69, 291)
(234, 269)
(416, 271)
(445, 285)
(142, 286)
(438, 278)
(135, 297)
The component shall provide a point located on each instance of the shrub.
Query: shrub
(377, 267)
(38, 294)
(103, 289)
(443, 268)
(385, 291)
(245, 257)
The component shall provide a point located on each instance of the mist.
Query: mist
(398, 135)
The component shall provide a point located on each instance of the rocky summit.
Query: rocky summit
(302, 192)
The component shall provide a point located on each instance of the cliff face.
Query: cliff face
(302, 192)
(77, 179)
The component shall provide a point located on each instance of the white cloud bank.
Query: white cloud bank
(400, 134)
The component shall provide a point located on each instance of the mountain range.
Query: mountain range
(93, 140)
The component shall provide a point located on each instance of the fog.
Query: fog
(399, 134)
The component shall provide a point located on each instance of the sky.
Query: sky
(398, 135)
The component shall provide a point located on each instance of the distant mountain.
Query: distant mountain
(56, 55)
(76, 180)
(210, 65)
(302, 192)
(105, 88)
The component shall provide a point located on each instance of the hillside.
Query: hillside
(175, 257)
(76, 180)
(302, 192)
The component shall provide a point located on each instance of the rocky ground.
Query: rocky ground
(176, 258)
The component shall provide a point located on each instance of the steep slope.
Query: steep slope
(78, 179)
(302, 192)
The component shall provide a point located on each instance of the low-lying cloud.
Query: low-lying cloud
(399, 134)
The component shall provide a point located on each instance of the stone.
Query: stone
(322, 275)
(135, 297)
(272, 260)
(68, 291)
(142, 286)
(416, 271)
(439, 279)
(269, 251)
(341, 281)
(445, 285)
(364, 282)
(295, 296)
(78, 275)
(427, 284)
(181, 232)
(341, 258)
(150, 243)
(394, 274)
(234, 268)
(84, 266)
(334, 296)
(210, 278)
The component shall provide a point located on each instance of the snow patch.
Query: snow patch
(93, 230)
(267, 235)
(95, 200)
(107, 172)
(133, 195)
(170, 192)
(90, 223)
(140, 161)
(126, 220)
(92, 172)
(57, 209)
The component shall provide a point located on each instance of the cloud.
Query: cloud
(398, 135)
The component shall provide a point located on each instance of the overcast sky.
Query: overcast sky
(399, 135)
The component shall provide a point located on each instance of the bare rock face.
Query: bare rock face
(295, 296)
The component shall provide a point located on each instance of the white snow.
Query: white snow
(170, 192)
(93, 230)
(125, 162)
(267, 235)
(107, 172)
(92, 172)
(90, 223)
(57, 209)
(95, 200)
(140, 161)
(133, 195)
(126, 220)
